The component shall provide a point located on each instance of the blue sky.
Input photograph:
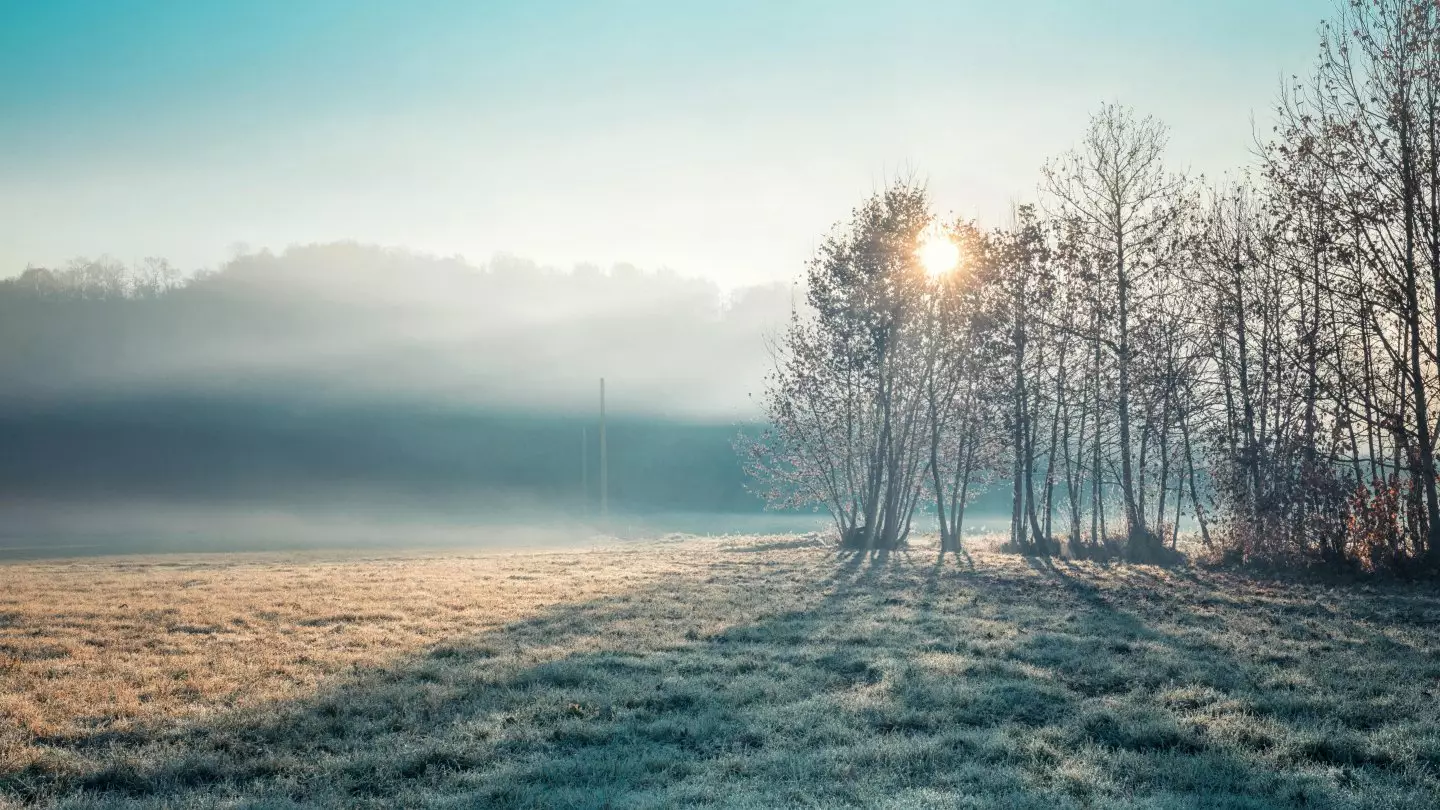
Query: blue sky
(718, 139)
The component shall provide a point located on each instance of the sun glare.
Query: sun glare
(938, 255)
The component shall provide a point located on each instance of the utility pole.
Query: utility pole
(604, 470)
(584, 469)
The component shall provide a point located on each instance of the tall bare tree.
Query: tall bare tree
(1117, 188)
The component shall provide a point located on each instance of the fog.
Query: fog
(347, 395)
(70, 528)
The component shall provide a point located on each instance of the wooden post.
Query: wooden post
(604, 466)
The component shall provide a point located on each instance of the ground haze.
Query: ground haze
(739, 672)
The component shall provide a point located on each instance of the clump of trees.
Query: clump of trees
(869, 388)
(1257, 360)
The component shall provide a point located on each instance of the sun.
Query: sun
(938, 255)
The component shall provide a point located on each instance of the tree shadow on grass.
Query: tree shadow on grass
(1321, 722)
(782, 684)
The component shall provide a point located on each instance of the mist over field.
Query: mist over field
(343, 393)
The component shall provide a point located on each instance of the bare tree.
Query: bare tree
(1116, 187)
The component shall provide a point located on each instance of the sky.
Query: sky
(716, 139)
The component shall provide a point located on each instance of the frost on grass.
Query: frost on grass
(726, 674)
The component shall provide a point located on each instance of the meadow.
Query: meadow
(747, 672)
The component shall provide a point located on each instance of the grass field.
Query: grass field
(763, 672)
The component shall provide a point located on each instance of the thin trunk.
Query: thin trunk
(1136, 521)
(1426, 448)
(1190, 463)
(1054, 439)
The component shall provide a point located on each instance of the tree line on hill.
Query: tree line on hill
(1257, 358)
(345, 320)
(333, 372)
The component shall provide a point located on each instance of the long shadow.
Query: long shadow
(581, 706)
(775, 688)
(1294, 703)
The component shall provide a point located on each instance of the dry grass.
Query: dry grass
(731, 673)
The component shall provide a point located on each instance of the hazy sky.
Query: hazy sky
(715, 138)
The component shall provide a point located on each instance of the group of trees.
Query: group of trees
(1258, 360)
